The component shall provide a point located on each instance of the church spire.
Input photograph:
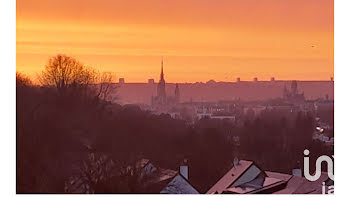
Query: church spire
(162, 73)
(161, 86)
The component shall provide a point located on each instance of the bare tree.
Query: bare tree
(99, 173)
(64, 71)
(70, 77)
(105, 87)
(22, 80)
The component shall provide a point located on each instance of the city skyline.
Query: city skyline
(237, 79)
(199, 40)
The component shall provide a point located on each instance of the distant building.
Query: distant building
(151, 81)
(238, 79)
(162, 100)
(121, 80)
(326, 105)
(211, 81)
(272, 79)
(255, 79)
(253, 110)
(177, 93)
(161, 94)
(143, 92)
(292, 95)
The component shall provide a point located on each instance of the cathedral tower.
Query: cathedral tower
(161, 87)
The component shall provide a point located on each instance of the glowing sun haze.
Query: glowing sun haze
(199, 39)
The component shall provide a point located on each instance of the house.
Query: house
(145, 167)
(300, 185)
(167, 181)
(248, 178)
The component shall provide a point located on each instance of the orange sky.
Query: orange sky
(199, 39)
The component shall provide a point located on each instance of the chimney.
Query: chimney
(184, 169)
(235, 161)
(297, 170)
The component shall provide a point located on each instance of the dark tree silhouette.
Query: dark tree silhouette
(105, 89)
(64, 71)
(23, 80)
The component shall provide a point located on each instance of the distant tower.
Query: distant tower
(151, 81)
(177, 94)
(255, 79)
(161, 87)
(238, 80)
(121, 80)
(294, 87)
(272, 79)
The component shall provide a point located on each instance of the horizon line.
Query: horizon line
(209, 81)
